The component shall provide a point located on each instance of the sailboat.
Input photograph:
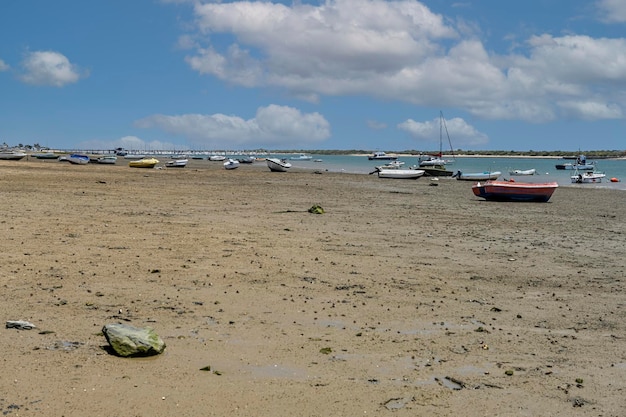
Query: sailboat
(434, 166)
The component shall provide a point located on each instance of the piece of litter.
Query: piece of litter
(19, 324)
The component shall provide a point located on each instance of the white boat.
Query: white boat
(432, 160)
(108, 159)
(587, 177)
(177, 163)
(231, 164)
(278, 165)
(391, 165)
(523, 172)
(381, 156)
(217, 158)
(12, 155)
(78, 159)
(477, 176)
(301, 157)
(406, 174)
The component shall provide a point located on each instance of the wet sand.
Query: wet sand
(402, 299)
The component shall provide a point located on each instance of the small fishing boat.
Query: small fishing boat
(581, 164)
(515, 191)
(78, 159)
(217, 158)
(381, 156)
(523, 172)
(45, 155)
(231, 164)
(436, 171)
(177, 163)
(143, 163)
(587, 177)
(397, 173)
(477, 176)
(278, 165)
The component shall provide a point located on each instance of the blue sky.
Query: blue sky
(339, 74)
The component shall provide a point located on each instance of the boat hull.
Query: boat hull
(177, 163)
(231, 164)
(78, 159)
(477, 176)
(523, 172)
(143, 163)
(588, 178)
(515, 191)
(403, 174)
(277, 165)
(12, 156)
(436, 171)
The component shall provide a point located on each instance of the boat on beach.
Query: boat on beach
(477, 176)
(143, 163)
(231, 164)
(436, 171)
(45, 155)
(523, 172)
(108, 159)
(177, 163)
(514, 191)
(12, 155)
(278, 165)
(78, 159)
(397, 173)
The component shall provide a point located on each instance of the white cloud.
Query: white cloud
(273, 125)
(4, 66)
(612, 11)
(461, 133)
(401, 51)
(49, 68)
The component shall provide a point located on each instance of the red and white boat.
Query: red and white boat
(515, 191)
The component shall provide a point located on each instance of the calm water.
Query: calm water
(545, 167)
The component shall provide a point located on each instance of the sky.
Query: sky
(304, 75)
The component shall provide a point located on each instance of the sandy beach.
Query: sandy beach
(402, 299)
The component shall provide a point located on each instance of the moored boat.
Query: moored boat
(143, 163)
(381, 156)
(436, 171)
(278, 165)
(477, 176)
(523, 172)
(581, 164)
(515, 191)
(301, 157)
(587, 177)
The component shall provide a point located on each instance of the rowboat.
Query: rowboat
(278, 165)
(477, 176)
(78, 159)
(231, 164)
(143, 163)
(108, 159)
(514, 191)
(523, 172)
(177, 163)
(406, 174)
